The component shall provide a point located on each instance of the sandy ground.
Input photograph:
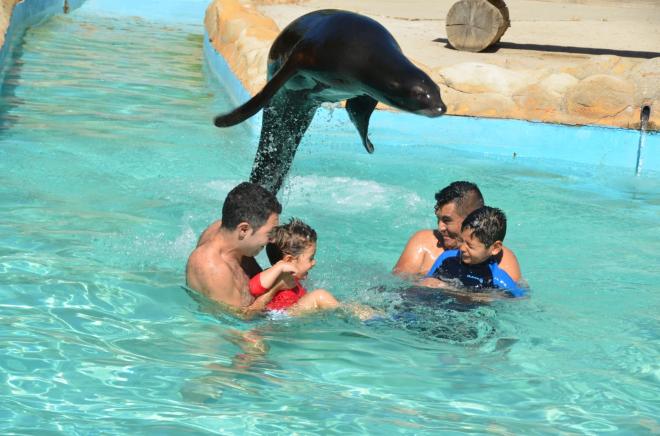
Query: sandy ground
(543, 33)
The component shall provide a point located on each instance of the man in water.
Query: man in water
(453, 204)
(223, 261)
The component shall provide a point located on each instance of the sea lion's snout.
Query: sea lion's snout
(433, 112)
(426, 97)
(438, 107)
(435, 109)
(440, 110)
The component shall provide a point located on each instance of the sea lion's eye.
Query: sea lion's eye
(418, 93)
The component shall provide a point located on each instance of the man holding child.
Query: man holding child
(453, 204)
(222, 266)
(217, 267)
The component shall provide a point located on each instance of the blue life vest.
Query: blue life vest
(486, 275)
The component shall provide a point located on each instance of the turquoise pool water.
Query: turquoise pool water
(110, 168)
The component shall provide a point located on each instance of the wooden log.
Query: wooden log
(474, 25)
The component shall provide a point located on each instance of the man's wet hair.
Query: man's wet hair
(291, 238)
(488, 223)
(466, 196)
(250, 203)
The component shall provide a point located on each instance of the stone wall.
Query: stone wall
(6, 8)
(243, 37)
(604, 90)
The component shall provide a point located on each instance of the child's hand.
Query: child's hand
(286, 267)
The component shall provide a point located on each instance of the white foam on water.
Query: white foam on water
(347, 193)
(218, 189)
(185, 242)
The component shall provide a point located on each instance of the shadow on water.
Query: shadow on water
(561, 49)
(435, 316)
(420, 311)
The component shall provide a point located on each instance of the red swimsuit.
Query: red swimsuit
(283, 299)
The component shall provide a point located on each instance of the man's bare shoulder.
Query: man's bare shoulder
(508, 252)
(418, 254)
(424, 236)
(208, 233)
(207, 270)
(509, 263)
(206, 255)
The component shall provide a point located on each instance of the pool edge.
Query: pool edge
(27, 13)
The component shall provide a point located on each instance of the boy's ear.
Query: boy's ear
(496, 248)
(287, 258)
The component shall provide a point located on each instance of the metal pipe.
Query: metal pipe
(643, 125)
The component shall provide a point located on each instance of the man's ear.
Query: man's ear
(243, 230)
(496, 248)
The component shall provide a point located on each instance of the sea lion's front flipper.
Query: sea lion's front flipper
(261, 99)
(359, 110)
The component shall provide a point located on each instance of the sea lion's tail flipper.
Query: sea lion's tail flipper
(261, 99)
(359, 110)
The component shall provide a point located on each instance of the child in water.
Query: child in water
(291, 253)
(475, 264)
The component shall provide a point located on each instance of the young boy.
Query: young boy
(474, 264)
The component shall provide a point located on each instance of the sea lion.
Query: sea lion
(328, 56)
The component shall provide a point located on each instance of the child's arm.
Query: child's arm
(266, 280)
(265, 285)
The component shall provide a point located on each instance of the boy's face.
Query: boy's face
(473, 251)
(305, 261)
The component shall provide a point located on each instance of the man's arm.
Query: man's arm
(259, 304)
(460, 295)
(219, 286)
(216, 280)
(415, 255)
(509, 264)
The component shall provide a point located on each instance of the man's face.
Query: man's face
(449, 225)
(258, 239)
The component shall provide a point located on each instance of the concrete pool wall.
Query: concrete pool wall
(16, 16)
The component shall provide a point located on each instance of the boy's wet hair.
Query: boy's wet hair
(291, 238)
(488, 223)
(250, 203)
(466, 196)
